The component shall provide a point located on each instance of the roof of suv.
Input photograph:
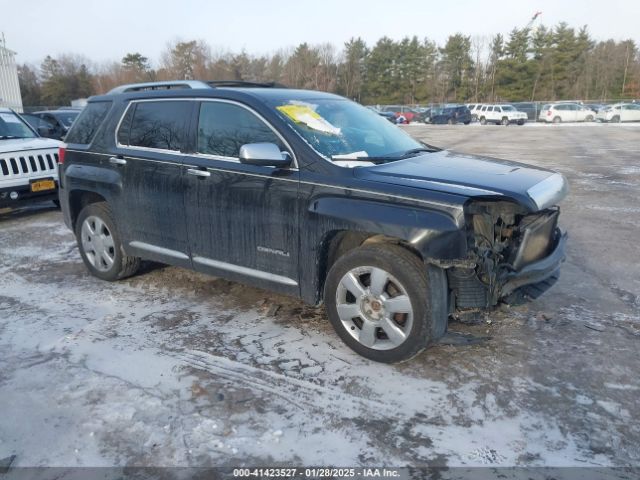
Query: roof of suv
(196, 88)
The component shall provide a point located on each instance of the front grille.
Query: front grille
(41, 163)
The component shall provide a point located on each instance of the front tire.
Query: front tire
(100, 245)
(385, 304)
(505, 121)
(615, 119)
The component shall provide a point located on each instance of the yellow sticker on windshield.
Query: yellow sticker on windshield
(306, 115)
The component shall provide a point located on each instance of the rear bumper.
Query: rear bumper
(537, 271)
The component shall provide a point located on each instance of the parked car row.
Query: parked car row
(518, 112)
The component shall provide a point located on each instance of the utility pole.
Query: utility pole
(626, 68)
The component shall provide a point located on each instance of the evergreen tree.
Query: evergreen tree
(381, 73)
(353, 68)
(457, 65)
(29, 85)
(137, 67)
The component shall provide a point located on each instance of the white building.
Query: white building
(9, 86)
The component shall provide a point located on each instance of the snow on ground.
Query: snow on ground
(173, 368)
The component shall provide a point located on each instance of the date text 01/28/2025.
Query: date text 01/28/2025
(317, 472)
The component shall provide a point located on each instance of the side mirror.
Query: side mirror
(265, 154)
(44, 131)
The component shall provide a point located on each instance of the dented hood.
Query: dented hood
(472, 176)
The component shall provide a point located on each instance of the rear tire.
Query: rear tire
(100, 245)
(385, 304)
(483, 121)
(557, 120)
(520, 122)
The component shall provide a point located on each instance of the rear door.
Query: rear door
(242, 220)
(151, 141)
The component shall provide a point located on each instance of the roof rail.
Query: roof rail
(176, 84)
(242, 83)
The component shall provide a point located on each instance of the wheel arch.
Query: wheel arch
(79, 199)
(430, 235)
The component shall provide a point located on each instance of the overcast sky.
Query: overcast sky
(108, 29)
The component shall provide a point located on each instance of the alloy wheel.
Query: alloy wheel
(374, 307)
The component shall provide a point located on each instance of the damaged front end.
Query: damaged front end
(510, 247)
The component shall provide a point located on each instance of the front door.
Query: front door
(242, 220)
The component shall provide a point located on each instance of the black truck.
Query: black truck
(308, 194)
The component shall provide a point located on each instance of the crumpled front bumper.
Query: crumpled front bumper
(537, 271)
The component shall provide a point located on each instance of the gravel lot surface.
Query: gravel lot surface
(174, 368)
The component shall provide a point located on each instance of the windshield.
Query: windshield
(340, 129)
(66, 118)
(508, 108)
(12, 126)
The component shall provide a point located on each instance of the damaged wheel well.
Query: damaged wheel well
(339, 242)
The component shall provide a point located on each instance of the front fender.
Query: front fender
(435, 234)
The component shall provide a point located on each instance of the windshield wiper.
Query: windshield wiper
(8, 137)
(401, 156)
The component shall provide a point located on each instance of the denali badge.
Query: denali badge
(274, 251)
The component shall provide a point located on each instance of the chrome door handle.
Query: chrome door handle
(117, 161)
(198, 173)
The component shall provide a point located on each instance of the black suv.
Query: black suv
(308, 194)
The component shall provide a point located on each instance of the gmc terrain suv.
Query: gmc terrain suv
(28, 163)
(308, 194)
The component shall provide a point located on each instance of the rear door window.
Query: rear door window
(224, 127)
(84, 129)
(159, 125)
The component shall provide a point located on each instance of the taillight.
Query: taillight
(548, 113)
(61, 152)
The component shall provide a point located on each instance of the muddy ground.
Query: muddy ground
(175, 368)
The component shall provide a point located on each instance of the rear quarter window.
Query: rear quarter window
(86, 126)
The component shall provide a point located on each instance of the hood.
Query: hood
(472, 176)
(22, 144)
